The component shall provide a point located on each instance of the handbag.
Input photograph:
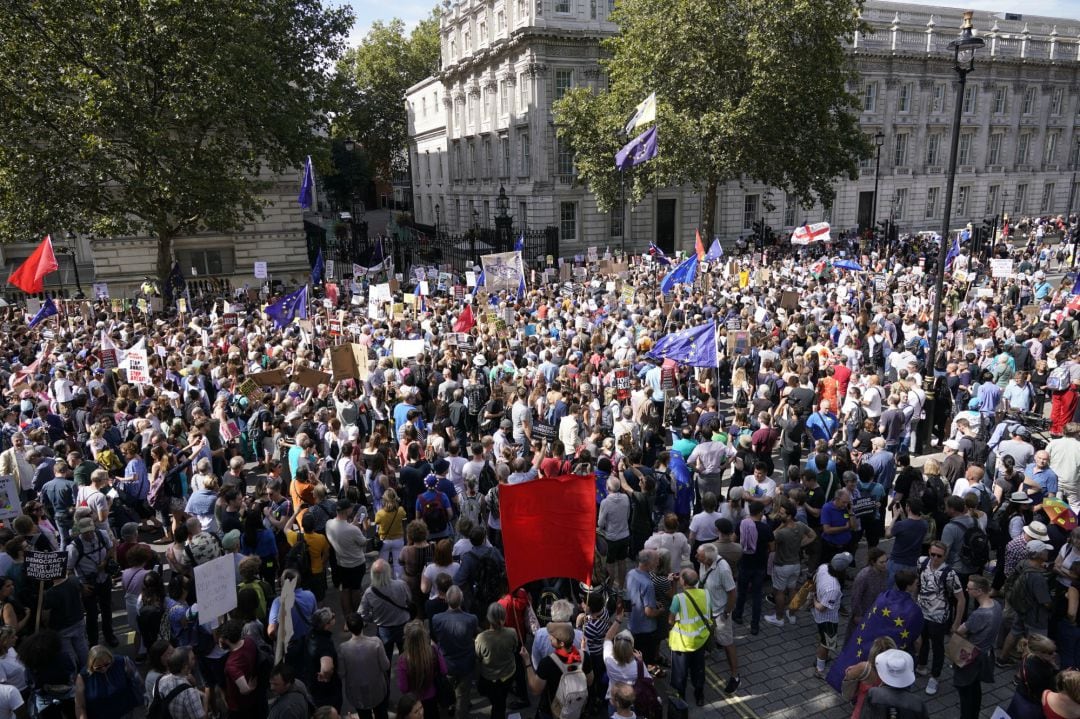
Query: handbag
(961, 652)
(802, 595)
(849, 688)
(376, 541)
(444, 692)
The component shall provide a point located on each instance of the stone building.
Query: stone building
(485, 122)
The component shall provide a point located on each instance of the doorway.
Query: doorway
(665, 225)
(866, 211)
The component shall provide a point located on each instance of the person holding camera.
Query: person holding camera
(89, 557)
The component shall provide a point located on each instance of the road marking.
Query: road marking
(734, 701)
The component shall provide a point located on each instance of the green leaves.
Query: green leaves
(155, 116)
(747, 90)
(370, 87)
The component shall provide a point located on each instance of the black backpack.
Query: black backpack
(487, 479)
(490, 582)
(975, 547)
(979, 452)
(434, 513)
(159, 705)
(299, 558)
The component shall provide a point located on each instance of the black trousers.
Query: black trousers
(98, 602)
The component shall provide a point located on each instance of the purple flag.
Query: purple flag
(641, 149)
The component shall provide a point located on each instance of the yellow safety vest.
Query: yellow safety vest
(689, 632)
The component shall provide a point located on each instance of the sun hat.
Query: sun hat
(1037, 530)
(1020, 498)
(896, 668)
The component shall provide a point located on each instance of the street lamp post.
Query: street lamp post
(879, 141)
(70, 252)
(437, 218)
(963, 48)
(1068, 210)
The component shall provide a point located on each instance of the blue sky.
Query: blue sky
(412, 11)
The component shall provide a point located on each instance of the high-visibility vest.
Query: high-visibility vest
(689, 632)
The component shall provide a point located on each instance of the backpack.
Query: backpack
(877, 355)
(943, 578)
(986, 501)
(434, 513)
(1017, 593)
(490, 581)
(493, 501)
(573, 692)
(975, 547)
(487, 478)
(470, 508)
(997, 528)
(980, 451)
(607, 419)
(257, 587)
(646, 701)
(1060, 379)
(299, 558)
(159, 705)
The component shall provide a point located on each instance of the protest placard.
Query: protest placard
(44, 565)
(260, 270)
(10, 506)
(269, 378)
(310, 378)
(215, 586)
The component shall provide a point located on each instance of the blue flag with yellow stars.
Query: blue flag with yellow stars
(894, 614)
(694, 346)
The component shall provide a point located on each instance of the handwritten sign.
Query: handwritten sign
(101, 290)
(45, 565)
(260, 270)
(1001, 268)
(9, 498)
(248, 387)
(215, 585)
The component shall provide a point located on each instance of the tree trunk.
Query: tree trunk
(710, 211)
(164, 259)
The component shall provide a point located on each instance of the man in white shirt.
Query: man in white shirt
(13, 463)
(346, 535)
(1065, 461)
(63, 388)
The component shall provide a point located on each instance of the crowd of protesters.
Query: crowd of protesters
(363, 513)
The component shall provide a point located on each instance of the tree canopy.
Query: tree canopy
(156, 116)
(746, 89)
(371, 82)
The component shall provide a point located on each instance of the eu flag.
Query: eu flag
(519, 243)
(954, 252)
(47, 310)
(683, 274)
(716, 252)
(307, 185)
(639, 150)
(694, 346)
(894, 614)
(317, 269)
(288, 308)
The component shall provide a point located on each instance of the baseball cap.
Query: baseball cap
(1037, 546)
(841, 561)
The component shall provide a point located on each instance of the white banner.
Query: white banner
(502, 272)
(215, 586)
(817, 232)
(260, 270)
(1001, 268)
(138, 369)
(406, 349)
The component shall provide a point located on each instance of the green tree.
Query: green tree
(746, 89)
(371, 82)
(161, 117)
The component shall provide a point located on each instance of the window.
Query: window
(1075, 152)
(523, 214)
(1048, 198)
(482, 35)
(1018, 201)
(1055, 101)
(1023, 147)
(523, 143)
(438, 166)
(903, 100)
(1030, 100)
(473, 217)
(562, 5)
(616, 220)
(826, 214)
(522, 9)
(500, 21)
(489, 159)
(970, 94)
(457, 214)
(993, 152)
(485, 104)
(427, 165)
(962, 194)
(207, 262)
(869, 98)
(472, 160)
(1001, 98)
(867, 162)
(900, 201)
(504, 156)
(486, 217)
(523, 89)
(474, 104)
(937, 104)
(931, 201)
(423, 107)
(900, 153)
(963, 151)
(567, 220)
(933, 149)
(455, 161)
(453, 47)
(504, 97)
(565, 160)
(750, 210)
(564, 80)
(467, 41)
(992, 195)
(790, 205)
(1050, 149)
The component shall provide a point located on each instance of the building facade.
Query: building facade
(485, 122)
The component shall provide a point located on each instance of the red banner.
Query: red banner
(549, 528)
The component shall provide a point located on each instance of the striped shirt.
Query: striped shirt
(827, 592)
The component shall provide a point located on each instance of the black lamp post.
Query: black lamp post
(879, 140)
(963, 48)
(476, 220)
(349, 144)
(70, 252)
(1068, 210)
(438, 209)
(503, 221)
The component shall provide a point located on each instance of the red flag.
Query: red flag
(331, 290)
(465, 320)
(30, 275)
(699, 246)
(549, 528)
